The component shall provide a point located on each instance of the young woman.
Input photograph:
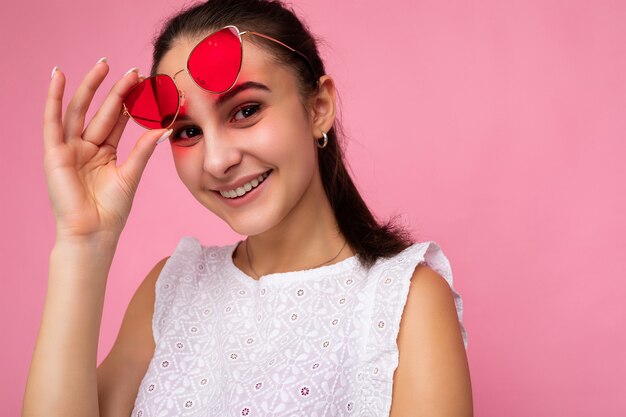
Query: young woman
(320, 311)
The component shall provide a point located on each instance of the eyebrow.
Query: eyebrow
(239, 88)
(222, 98)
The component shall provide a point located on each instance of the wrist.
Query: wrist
(100, 240)
(96, 247)
(74, 261)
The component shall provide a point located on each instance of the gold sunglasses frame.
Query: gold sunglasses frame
(181, 94)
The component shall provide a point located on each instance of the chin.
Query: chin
(246, 222)
(248, 228)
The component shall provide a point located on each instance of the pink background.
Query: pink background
(496, 127)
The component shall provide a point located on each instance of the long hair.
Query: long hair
(368, 238)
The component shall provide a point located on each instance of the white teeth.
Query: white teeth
(239, 191)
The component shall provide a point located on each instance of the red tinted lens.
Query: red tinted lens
(153, 103)
(215, 62)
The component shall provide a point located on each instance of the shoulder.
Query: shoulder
(429, 292)
(145, 293)
(432, 378)
(426, 279)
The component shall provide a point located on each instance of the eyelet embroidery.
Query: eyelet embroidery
(300, 320)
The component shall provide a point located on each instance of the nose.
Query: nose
(221, 154)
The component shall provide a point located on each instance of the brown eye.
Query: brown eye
(246, 111)
(186, 136)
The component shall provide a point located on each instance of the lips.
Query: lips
(245, 188)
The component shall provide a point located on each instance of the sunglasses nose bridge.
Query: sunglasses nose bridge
(181, 98)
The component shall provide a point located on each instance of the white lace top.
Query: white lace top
(320, 342)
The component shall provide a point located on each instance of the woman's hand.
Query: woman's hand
(91, 194)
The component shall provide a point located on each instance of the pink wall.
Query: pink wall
(496, 127)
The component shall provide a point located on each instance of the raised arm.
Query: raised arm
(91, 197)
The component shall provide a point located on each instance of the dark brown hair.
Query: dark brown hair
(366, 236)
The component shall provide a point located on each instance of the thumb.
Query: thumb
(141, 152)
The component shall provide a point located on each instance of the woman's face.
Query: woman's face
(256, 140)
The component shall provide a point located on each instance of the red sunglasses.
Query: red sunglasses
(213, 64)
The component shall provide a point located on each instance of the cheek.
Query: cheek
(188, 163)
(286, 137)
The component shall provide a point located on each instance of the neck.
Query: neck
(307, 237)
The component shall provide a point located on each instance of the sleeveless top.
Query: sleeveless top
(319, 342)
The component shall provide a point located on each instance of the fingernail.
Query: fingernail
(54, 71)
(134, 69)
(103, 59)
(165, 136)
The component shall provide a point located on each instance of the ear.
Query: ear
(323, 107)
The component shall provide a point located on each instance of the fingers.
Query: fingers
(107, 123)
(120, 125)
(133, 167)
(116, 133)
(77, 108)
(52, 119)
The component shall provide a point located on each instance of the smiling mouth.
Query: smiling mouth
(247, 187)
